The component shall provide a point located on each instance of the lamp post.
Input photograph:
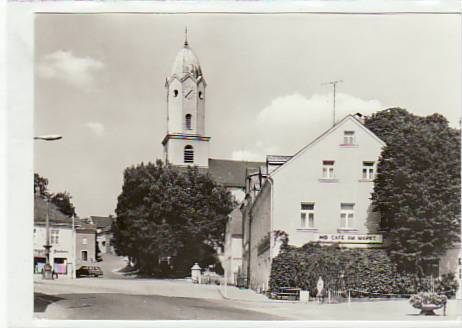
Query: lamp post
(47, 269)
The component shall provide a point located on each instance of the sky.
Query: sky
(99, 82)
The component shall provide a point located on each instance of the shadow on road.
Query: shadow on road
(41, 301)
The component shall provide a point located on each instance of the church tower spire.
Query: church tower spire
(185, 142)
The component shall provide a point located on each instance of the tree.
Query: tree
(164, 211)
(62, 200)
(417, 186)
(40, 185)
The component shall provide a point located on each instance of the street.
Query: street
(119, 297)
(142, 307)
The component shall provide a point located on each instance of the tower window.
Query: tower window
(188, 118)
(188, 154)
(175, 93)
(201, 95)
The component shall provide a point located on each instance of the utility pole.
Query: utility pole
(334, 84)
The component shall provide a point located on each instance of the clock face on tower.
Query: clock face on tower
(189, 93)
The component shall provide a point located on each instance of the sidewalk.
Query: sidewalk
(247, 295)
(162, 287)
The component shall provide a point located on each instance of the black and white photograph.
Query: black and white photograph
(277, 166)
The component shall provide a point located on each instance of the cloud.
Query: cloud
(290, 122)
(63, 65)
(245, 155)
(96, 127)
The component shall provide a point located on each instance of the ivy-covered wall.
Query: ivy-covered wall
(359, 270)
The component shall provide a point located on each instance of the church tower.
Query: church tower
(185, 142)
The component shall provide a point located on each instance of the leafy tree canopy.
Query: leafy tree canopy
(417, 186)
(167, 212)
(62, 200)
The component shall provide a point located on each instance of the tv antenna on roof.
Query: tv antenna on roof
(334, 84)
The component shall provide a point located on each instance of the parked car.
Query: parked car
(89, 271)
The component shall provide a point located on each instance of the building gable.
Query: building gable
(347, 120)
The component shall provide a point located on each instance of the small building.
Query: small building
(104, 234)
(72, 241)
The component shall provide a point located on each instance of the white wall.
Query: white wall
(260, 262)
(299, 181)
(64, 247)
(176, 152)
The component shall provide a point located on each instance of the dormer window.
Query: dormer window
(187, 120)
(188, 154)
(175, 93)
(348, 137)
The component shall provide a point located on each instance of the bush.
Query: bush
(365, 272)
(427, 298)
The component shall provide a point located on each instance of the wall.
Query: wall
(300, 180)
(451, 262)
(260, 262)
(90, 247)
(106, 239)
(176, 152)
(63, 249)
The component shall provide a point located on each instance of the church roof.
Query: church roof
(186, 63)
(231, 173)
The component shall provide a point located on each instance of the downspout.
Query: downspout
(270, 180)
(250, 248)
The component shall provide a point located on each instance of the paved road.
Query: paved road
(105, 306)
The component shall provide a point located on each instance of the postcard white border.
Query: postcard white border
(16, 152)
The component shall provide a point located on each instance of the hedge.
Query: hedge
(363, 271)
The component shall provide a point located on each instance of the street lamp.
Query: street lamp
(49, 137)
(47, 269)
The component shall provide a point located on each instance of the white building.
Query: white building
(232, 257)
(72, 245)
(321, 194)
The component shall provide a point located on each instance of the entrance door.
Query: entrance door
(59, 265)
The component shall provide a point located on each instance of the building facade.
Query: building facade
(104, 234)
(232, 257)
(321, 194)
(72, 241)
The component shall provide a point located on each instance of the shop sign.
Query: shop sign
(349, 239)
(59, 251)
(39, 252)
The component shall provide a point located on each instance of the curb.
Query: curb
(255, 301)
